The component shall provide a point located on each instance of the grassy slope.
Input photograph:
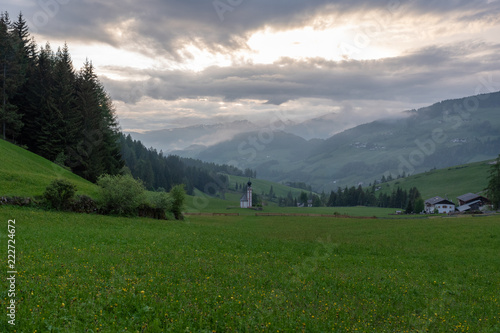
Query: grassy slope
(260, 185)
(451, 182)
(368, 151)
(23, 173)
(253, 274)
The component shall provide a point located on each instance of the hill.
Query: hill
(261, 186)
(443, 135)
(172, 139)
(449, 182)
(23, 173)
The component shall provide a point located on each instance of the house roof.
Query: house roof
(463, 208)
(472, 197)
(466, 207)
(244, 198)
(468, 197)
(438, 200)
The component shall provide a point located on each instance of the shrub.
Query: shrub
(84, 204)
(146, 210)
(161, 200)
(120, 194)
(59, 194)
(178, 195)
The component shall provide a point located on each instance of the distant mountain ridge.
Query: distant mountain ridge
(189, 139)
(173, 139)
(447, 133)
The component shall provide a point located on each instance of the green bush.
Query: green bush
(84, 204)
(59, 194)
(161, 200)
(178, 195)
(120, 194)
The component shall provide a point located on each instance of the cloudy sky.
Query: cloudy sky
(174, 63)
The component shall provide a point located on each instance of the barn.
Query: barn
(471, 202)
(471, 197)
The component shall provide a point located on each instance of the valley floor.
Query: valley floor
(78, 273)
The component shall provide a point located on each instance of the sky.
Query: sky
(176, 63)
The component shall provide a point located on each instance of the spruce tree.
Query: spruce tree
(43, 132)
(65, 101)
(97, 151)
(26, 59)
(493, 188)
(11, 78)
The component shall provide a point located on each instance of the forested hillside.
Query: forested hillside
(66, 116)
(55, 111)
(159, 171)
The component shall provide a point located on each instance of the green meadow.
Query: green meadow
(25, 174)
(451, 182)
(90, 273)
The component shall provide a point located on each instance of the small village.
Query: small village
(467, 203)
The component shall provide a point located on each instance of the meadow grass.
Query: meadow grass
(25, 174)
(89, 273)
(451, 182)
(202, 203)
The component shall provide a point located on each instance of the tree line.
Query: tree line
(66, 116)
(55, 111)
(160, 172)
(409, 201)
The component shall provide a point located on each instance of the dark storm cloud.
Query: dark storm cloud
(431, 72)
(160, 28)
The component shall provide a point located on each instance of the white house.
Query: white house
(246, 199)
(443, 206)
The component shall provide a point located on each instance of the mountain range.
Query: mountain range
(444, 134)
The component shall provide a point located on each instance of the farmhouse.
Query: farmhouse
(246, 199)
(443, 206)
(471, 202)
(471, 197)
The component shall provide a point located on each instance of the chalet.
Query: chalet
(471, 197)
(471, 202)
(443, 206)
(470, 207)
(246, 199)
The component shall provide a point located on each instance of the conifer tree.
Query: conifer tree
(65, 101)
(11, 78)
(493, 188)
(97, 151)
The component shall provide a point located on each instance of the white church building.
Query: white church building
(246, 199)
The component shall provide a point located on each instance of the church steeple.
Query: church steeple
(249, 193)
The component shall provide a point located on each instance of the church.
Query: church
(246, 199)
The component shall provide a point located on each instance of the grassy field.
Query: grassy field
(451, 182)
(86, 273)
(23, 173)
(202, 203)
(263, 186)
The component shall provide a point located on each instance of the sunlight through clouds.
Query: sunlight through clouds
(173, 62)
